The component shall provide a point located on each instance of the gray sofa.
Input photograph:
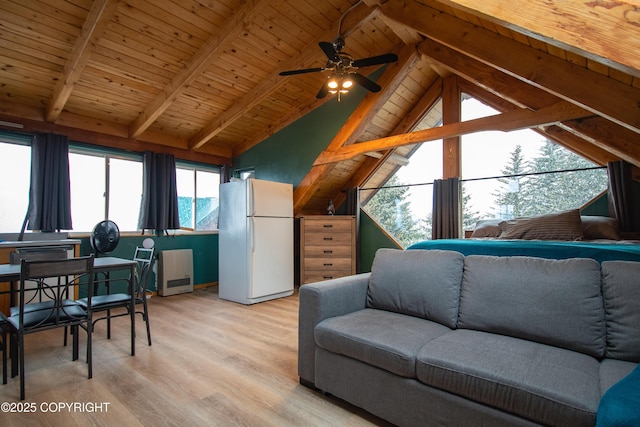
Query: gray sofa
(436, 338)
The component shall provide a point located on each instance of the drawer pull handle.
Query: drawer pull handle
(328, 238)
(328, 251)
(328, 264)
(328, 225)
(327, 277)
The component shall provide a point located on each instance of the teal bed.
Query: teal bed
(598, 250)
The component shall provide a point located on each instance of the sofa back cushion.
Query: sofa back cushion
(555, 302)
(621, 290)
(420, 283)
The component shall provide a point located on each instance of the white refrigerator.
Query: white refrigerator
(255, 241)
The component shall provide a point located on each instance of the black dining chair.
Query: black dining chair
(110, 301)
(3, 345)
(46, 301)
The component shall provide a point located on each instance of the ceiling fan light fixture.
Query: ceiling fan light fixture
(347, 83)
(332, 83)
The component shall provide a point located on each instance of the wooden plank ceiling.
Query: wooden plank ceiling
(201, 79)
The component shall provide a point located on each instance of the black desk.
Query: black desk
(11, 273)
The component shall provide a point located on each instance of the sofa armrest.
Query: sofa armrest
(319, 301)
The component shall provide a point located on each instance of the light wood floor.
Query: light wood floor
(212, 363)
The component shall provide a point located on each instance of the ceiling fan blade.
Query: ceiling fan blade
(376, 60)
(330, 51)
(365, 82)
(304, 71)
(324, 90)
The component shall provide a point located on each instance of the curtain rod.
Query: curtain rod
(489, 177)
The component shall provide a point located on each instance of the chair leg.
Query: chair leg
(89, 350)
(74, 332)
(14, 354)
(4, 357)
(108, 324)
(145, 314)
(21, 362)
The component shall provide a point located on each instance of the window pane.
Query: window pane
(207, 200)
(15, 171)
(87, 176)
(491, 161)
(125, 192)
(185, 181)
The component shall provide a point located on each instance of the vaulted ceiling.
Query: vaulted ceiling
(200, 78)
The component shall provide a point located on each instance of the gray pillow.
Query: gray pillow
(422, 283)
(621, 290)
(600, 227)
(487, 228)
(555, 302)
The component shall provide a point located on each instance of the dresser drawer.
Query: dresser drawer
(318, 276)
(327, 264)
(327, 239)
(328, 251)
(330, 225)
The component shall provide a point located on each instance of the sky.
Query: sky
(484, 154)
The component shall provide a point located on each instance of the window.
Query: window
(198, 196)
(15, 171)
(104, 186)
(520, 173)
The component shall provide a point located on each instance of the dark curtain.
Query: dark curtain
(352, 207)
(225, 174)
(50, 192)
(620, 194)
(446, 209)
(159, 207)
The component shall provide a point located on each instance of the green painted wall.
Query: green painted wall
(288, 155)
(372, 238)
(204, 246)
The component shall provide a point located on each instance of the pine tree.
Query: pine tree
(391, 209)
(512, 199)
(469, 216)
(544, 192)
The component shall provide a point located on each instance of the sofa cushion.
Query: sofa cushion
(556, 302)
(621, 291)
(542, 383)
(612, 371)
(380, 338)
(620, 405)
(420, 283)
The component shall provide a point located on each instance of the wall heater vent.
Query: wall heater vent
(175, 272)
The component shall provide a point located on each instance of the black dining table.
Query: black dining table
(106, 265)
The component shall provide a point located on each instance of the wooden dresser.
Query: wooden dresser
(327, 247)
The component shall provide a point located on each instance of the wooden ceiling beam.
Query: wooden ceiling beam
(355, 19)
(407, 124)
(92, 29)
(507, 87)
(211, 49)
(606, 134)
(391, 78)
(604, 96)
(605, 32)
(567, 139)
(509, 121)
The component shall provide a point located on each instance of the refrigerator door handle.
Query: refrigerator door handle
(252, 235)
(252, 198)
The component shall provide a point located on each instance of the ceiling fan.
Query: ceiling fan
(344, 69)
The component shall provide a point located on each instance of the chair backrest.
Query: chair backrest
(55, 281)
(144, 258)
